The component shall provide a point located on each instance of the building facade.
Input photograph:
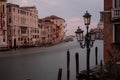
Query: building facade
(111, 29)
(3, 24)
(60, 26)
(100, 28)
(52, 29)
(22, 25)
(46, 31)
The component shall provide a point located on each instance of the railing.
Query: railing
(116, 13)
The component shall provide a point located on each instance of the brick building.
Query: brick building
(111, 29)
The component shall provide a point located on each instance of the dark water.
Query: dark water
(45, 62)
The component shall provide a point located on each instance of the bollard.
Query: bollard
(101, 69)
(60, 74)
(101, 66)
(96, 55)
(68, 65)
(77, 63)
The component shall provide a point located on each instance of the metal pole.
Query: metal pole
(88, 53)
(68, 65)
(77, 63)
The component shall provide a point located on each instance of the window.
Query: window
(3, 39)
(117, 32)
(14, 32)
(18, 39)
(23, 30)
(9, 19)
(18, 11)
(9, 9)
(21, 39)
(14, 9)
(117, 3)
(3, 9)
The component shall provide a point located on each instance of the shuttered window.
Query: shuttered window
(117, 3)
(117, 32)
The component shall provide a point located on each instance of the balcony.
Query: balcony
(116, 15)
(24, 34)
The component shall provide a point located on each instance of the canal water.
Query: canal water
(43, 63)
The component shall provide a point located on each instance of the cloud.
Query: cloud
(51, 2)
(73, 23)
(24, 2)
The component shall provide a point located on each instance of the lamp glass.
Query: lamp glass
(79, 36)
(92, 36)
(87, 18)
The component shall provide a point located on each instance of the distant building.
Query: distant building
(100, 28)
(22, 25)
(111, 29)
(3, 24)
(52, 29)
(60, 26)
(47, 31)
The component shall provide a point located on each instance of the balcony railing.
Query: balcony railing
(116, 13)
(24, 34)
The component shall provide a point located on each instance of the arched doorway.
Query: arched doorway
(15, 43)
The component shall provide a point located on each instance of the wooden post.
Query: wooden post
(68, 65)
(101, 69)
(101, 66)
(60, 74)
(96, 55)
(77, 63)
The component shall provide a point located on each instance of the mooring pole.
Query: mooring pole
(68, 65)
(77, 63)
(101, 68)
(96, 55)
(60, 74)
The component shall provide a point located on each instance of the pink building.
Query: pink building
(3, 24)
(22, 25)
(52, 29)
(60, 26)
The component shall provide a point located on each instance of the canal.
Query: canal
(43, 63)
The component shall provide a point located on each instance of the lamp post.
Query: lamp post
(87, 40)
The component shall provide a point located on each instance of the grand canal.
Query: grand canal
(43, 63)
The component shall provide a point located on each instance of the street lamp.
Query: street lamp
(87, 40)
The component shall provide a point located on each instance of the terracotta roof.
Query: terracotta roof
(25, 8)
(10, 4)
(53, 17)
(28, 7)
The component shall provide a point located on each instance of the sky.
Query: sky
(70, 10)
